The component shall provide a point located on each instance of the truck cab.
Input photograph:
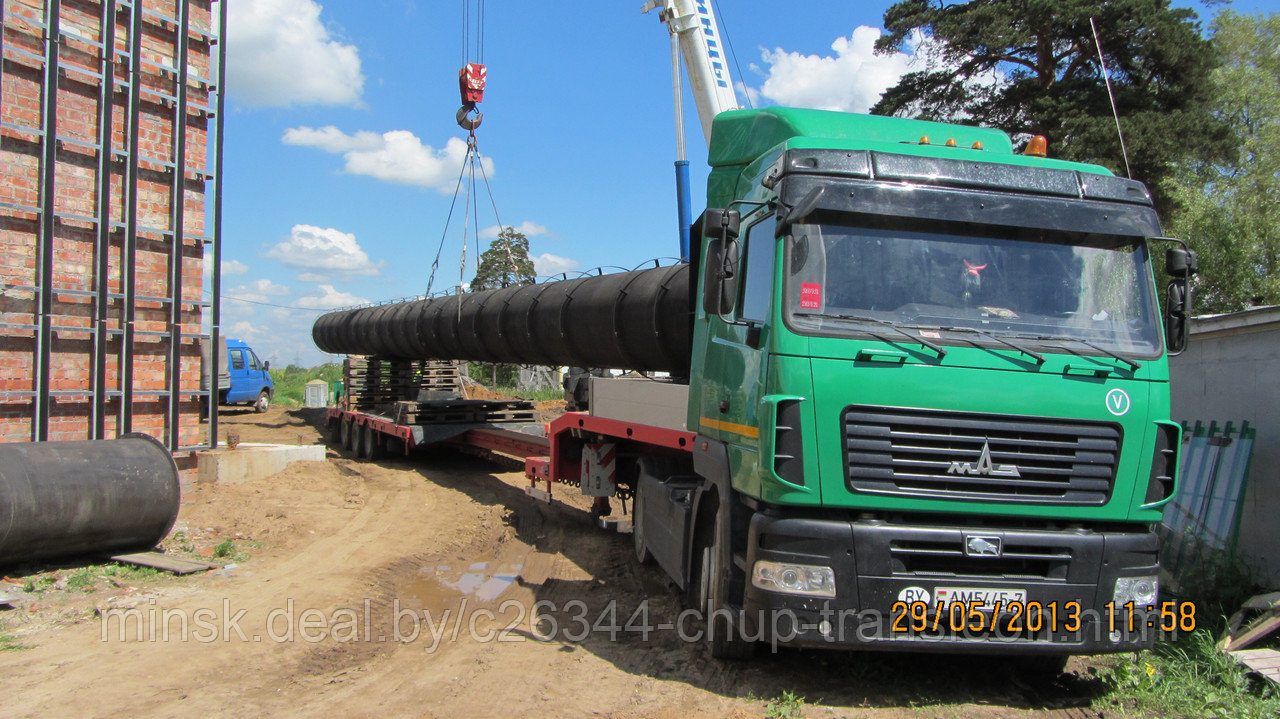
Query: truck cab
(926, 375)
(250, 377)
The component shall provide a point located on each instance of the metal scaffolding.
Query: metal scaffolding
(111, 325)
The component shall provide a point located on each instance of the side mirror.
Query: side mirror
(1180, 263)
(720, 278)
(711, 279)
(721, 224)
(266, 365)
(1177, 308)
(729, 277)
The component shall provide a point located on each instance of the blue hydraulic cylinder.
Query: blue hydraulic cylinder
(683, 206)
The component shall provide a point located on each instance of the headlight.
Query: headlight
(1142, 591)
(805, 579)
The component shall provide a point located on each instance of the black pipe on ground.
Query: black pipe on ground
(639, 320)
(60, 499)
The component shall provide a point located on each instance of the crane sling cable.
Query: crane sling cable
(471, 83)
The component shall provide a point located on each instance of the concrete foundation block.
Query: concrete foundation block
(248, 462)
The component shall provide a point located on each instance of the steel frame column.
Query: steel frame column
(102, 249)
(129, 248)
(216, 306)
(177, 196)
(44, 263)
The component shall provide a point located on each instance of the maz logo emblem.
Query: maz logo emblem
(983, 467)
(982, 546)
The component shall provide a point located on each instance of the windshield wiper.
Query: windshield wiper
(885, 323)
(1039, 358)
(1133, 364)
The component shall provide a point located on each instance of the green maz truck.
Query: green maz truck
(929, 387)
(918, 397)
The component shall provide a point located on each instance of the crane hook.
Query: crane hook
(471, 80)
(469, 123)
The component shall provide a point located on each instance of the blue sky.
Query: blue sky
(342, 151)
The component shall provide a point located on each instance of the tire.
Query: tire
(263, 403)
(643, 555)
(350, 433)
(335, 432)
(724, 631)
(370, 443)
(343, 431)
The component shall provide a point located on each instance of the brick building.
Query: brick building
(108, 208)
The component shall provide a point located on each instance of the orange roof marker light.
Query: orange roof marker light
(977, 145)
(1037, 147)
(951, 142)
(924, 140)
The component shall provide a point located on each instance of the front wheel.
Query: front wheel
(263, 403)
(723, 624)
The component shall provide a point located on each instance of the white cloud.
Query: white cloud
(243, 331)
(330, 298)
(323, 248)
(527, 228)
(547, 264)
(280, 54)
(854, 78)
(397, 156)
(851, 81)
(257, 291)
(312, 277)
(234, 267)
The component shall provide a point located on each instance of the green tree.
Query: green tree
(1230, 210)
(1030, 67)
(505, 263)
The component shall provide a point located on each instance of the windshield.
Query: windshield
(1038, 285)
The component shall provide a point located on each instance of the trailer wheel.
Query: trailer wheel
(352, 443)
(643, 555)
(722, 624)
(343, 431)
(372, 443)
(335, 432)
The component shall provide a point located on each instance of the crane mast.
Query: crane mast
(692, 24)
(695, 35)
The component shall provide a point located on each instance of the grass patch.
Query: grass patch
(1188, 677)
(537, 395)
(86, 579)
(785, 706)
(10, 643)
(228, 550)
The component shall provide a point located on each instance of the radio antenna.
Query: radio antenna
(1106, 77)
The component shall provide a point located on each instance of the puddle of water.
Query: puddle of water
(483, 581)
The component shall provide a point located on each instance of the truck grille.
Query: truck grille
(945, 559)
(953, 455)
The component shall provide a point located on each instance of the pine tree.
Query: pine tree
(1030, 67)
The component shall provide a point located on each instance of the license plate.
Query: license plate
(973, 595)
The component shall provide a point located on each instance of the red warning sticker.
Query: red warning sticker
(811, 295)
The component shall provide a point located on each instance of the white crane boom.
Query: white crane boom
(693, 24)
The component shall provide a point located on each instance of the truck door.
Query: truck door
(257, 373)
(736, 366)
(242, 387)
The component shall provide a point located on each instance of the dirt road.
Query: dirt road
(435, 587)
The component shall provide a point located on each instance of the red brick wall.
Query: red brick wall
(74, 241)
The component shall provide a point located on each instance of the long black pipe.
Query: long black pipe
(638, 320)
